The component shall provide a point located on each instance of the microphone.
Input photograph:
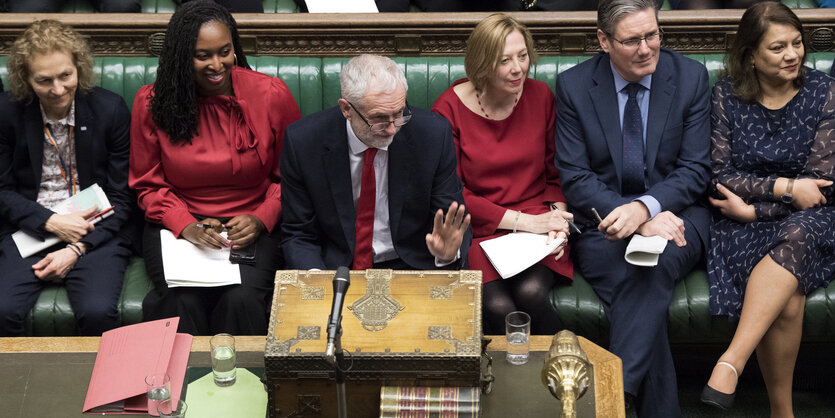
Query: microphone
(341, 281)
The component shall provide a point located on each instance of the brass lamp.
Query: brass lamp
(566, 371)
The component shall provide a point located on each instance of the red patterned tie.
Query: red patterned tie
(365, 213)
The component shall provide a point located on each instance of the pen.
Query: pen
(101, 214)
(570, 224)
(596, 215)
(207, 226)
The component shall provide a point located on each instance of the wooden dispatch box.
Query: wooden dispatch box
(400, 328)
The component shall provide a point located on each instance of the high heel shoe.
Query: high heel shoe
(718, 399)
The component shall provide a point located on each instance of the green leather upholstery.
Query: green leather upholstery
(289, 6)
(53, 316)
(314, 83)
(168, 6)
(800, 4)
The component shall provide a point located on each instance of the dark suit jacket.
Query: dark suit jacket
(589, 139)
(102, 144)
(319, 218)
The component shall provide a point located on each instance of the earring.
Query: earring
(236, 58)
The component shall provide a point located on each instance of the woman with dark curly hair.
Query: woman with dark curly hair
(773, 125)
(59, 134)
(205, 141)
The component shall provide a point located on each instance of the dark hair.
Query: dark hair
(174, 98)
(752, 27)
(610, 12)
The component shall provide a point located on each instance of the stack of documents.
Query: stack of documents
(29, 243)
(128, 354)
(512, 253)
(186, 264)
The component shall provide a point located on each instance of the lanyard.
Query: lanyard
(66, 167)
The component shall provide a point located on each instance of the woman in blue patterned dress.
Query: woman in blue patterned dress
(773, 165)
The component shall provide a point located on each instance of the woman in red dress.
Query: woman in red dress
(503, 127)
(205, 142)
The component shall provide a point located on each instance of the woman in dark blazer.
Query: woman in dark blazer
(58, 136)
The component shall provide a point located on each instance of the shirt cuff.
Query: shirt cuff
(438, 262)
(652, 205)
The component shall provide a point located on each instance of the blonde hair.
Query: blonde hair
(44, 37)
(486, 45)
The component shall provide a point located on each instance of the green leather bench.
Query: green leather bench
(288, 6)
(168, 6)
(314, 83)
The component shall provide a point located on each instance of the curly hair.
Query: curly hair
(44, 37)
(173, 101)
(486, 45)
(752, 27)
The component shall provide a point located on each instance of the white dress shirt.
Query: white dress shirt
(382, 244)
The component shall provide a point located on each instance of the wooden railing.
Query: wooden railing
(405, 34)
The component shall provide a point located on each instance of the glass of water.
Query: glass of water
(518, 333)
(159, 390)
(223, 359)
(170, 409)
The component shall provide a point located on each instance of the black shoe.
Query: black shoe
(721, 400)
(713, 397)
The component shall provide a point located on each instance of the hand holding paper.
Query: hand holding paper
(512, 253)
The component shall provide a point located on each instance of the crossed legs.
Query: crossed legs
(771, 322)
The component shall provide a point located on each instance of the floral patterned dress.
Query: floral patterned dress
(752, 147)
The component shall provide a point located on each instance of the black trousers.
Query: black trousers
(93, 287)
(55, 6)
(236, 309)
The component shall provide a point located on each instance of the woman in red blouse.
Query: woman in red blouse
(503, 127)
(205, 141)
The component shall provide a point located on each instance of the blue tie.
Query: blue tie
(633, 144)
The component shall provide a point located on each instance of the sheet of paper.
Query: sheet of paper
(341, 6)
(512, 253)
(644, 251)
(246, 398)
(29, 244)
(126, 355)
(186, 264)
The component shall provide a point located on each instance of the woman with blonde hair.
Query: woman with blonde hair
(59, 134)
(503, 127)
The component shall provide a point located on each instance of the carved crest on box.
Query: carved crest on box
(376, 308)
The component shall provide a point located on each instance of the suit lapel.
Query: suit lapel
(660, 97)
(338, 171)
(83, 142)
(34, 137)
(400, 168)
(605, 101)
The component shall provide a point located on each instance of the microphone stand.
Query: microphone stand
(341, 400)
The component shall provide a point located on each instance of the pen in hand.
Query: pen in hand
(207, 226)
(571, 225)
(596, 216)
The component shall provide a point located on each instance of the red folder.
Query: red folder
(128, 354)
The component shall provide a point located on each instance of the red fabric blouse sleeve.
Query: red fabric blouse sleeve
(553, 190)
(283, 111)
(486, 215)
(155, 195)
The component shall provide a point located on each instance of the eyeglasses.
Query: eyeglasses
(382, 126)
(633, 43)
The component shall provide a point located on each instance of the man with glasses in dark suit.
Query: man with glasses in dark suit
(633, 136)
(371, 183)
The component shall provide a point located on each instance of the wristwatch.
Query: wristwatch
(787, 197)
